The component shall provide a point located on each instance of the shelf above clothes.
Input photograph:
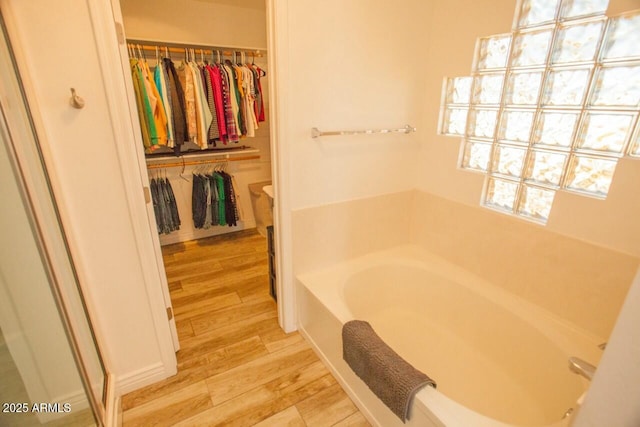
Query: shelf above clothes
(203, 158)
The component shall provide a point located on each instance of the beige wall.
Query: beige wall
(353, 65)
(580, 282)
(219, 23)
(611, 223)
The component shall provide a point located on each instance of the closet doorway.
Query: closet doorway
(214, 220)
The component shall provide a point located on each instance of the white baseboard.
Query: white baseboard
(189, 233)
(77, 400)
(140, 378)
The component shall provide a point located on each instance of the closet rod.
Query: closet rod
(200, 162)
(149, 45)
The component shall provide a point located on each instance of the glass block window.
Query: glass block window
(550, 107)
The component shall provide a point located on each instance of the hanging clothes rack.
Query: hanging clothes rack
(201, 162)
(179, 48)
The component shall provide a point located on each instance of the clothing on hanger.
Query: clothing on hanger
(201, 103)
(165, 207)
(214, 200)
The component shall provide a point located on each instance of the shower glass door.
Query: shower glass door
(51, 372)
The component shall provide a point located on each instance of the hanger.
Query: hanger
(253, 58)
(157, 55)
(184, 166)
(141, 52)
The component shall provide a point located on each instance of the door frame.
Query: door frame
(278, 61)
(112, 53)
(133, 161)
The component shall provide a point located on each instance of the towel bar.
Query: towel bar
(315, 132)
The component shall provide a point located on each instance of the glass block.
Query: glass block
(536, 202)
(482, 123)
(591, 175)
(508, 160)
(523, 88)
(575, 8)
(535, 12)
(531, 48)
(546, 167)
(566, 87)
(623, 37)
(459, 90)
(605, 132)
(555, 128)
(577, 43)
(488, 89)
(501, 194)
(493, 52)
(617, 86)
(516, 126)
(476, 155)
(455, 121)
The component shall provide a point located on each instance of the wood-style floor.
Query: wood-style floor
(236, 367)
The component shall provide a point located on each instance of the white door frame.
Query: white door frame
(112, 54)
(278, 42)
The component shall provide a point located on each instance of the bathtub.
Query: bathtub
(497, 359)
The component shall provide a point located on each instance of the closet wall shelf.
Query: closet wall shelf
(202, 159)
(315, 132)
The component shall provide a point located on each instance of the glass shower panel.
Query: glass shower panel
(36, 361)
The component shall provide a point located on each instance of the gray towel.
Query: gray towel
(387, 374)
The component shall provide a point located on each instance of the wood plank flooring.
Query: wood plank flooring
(236, 367)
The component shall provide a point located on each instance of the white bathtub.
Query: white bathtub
(498, 360)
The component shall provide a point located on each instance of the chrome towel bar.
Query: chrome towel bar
(315, 132)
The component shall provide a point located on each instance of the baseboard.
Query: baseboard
(185, 234)
(141, 378)
(77, 401)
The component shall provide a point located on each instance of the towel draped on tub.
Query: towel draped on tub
(388, 375)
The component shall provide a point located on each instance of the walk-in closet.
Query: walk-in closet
(204, 112)
(199, 73)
